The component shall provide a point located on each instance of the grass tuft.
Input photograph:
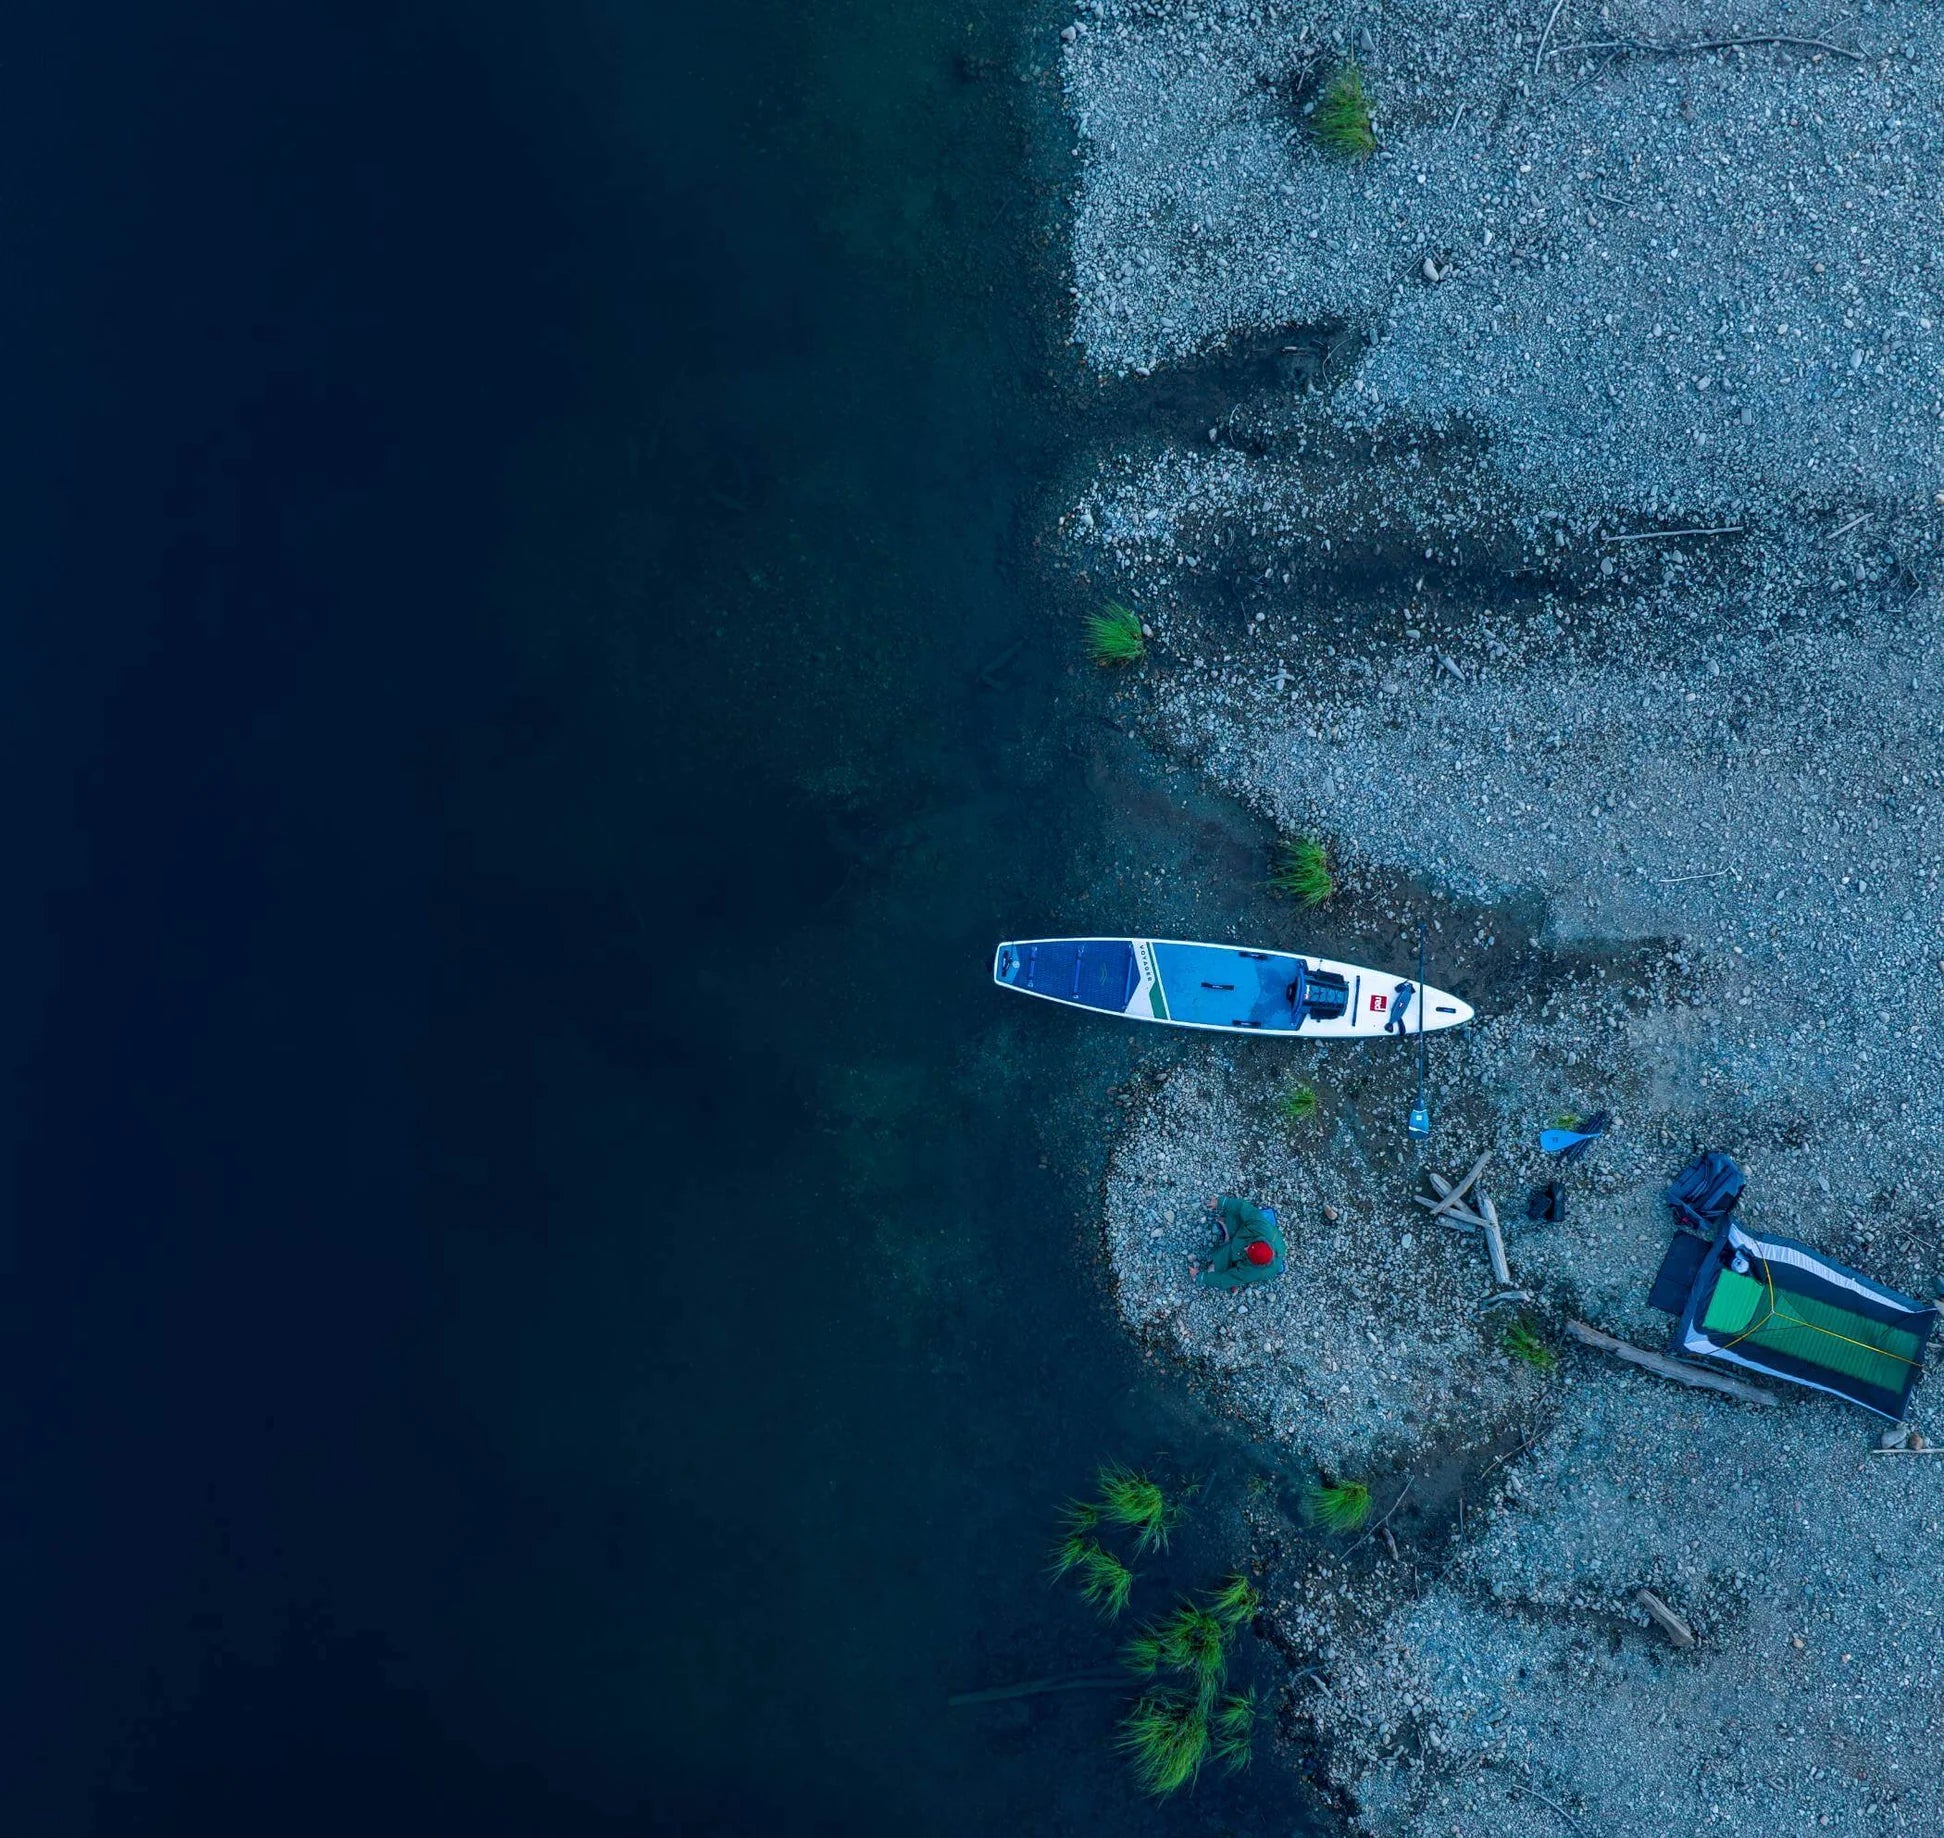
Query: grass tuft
(1105, 1582)
(1522, 1341)
(1341, 123)
(1337, 1506)
(1302, 871)
(1166, 1738)
(1129, 1498)
(1195, 1642)
(1079, 1516)
(1146, 1652)
(1234, 1722)
(1235, 1602)
(1567, 1120)
(1114, 635)
(1070, 1554)
(1298, 1103)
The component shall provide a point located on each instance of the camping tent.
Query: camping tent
(1777, 1307)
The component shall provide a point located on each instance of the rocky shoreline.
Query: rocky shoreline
(1585, 599)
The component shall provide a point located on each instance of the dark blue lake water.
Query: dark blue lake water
(545, 1289)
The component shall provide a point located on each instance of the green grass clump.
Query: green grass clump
(1234, 1722)
(1340, 122)
(1337, 1506)
(1195, 1642)
(1298, 1103)
(1567, 1120)
(1146, 1652)
(1302, 871)
(1130, 1499)
(1079, 1516)
(1114, 635)
(1105, 1582)
(1235, 1602)
(1070, 1554)
(1166, 1738)
(1522, 1341)
(1195, 1638)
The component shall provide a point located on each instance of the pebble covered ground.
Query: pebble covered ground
(1585, 599)
(1724, 262)
(1810, 1702)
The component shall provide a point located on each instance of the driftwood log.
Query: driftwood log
(1494, 1241)
(1456, 1219)
(1447, 1208)
(1677, 1370)
(1665, 1618)
(1502, 1298)
(1449, 1196)
(1449, 1211)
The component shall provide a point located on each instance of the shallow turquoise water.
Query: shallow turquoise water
(876, 1414)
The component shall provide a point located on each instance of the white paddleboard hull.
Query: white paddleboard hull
(1225, 989)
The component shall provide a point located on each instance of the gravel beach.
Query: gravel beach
(1546, 512)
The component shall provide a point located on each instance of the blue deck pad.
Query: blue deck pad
(1219, 986)
(1095, 972)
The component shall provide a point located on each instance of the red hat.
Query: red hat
(1260, 1252)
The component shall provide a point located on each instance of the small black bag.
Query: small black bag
(1704, 1193)
(1546, 1203)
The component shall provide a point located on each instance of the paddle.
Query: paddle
(1570, 1145)
(1419, 1123)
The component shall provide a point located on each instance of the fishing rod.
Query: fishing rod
(1419, 1125)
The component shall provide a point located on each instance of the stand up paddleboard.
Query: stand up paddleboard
(1224, 987)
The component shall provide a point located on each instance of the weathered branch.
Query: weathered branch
(1677, 1370)
(1716, 529)
(1668, 1621)
(1494, 1241)
(1457, 1219)
(1448, 1195)
(1711, 44)
(1385, 1520)
(1552, 19)
(1543, 1801)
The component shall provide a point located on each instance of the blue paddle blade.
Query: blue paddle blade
(1572, 1143)
(1420, 1122)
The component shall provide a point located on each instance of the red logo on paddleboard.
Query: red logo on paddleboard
(1380, 1003)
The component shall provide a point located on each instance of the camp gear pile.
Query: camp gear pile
(1778, 1307)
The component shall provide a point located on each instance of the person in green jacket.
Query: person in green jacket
(1252, 1249)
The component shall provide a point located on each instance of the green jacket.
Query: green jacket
(1230, 1268)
